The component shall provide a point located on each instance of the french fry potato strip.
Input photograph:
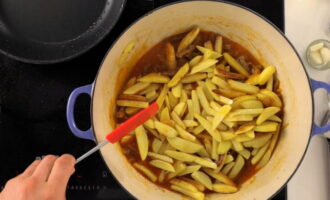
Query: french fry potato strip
(219, 119)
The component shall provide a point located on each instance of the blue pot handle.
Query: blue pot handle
(316, 85)
(88, 134)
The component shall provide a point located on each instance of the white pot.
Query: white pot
(240, 24)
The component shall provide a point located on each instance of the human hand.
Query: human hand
(44, 179)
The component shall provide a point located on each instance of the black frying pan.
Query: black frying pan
(51, 31)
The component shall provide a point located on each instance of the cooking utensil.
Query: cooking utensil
(125, 128)
(42, 32)
(240, 24)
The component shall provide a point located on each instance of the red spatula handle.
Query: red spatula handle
(133, 122)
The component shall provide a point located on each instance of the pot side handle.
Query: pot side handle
(88, 134)
(316, 85)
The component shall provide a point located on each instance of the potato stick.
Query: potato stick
(229, 159)
(208, 53)
(178, 121)
(218, 44)
(194, 77)
(234, 64)
(228, 123)
(275, 118)
(203, 65)
(190, 123)
(266, 127)
(142, 141)
(126, 139)
(224, 147)
(131, 110)
(176, 90)
(265, 159)
(227, 168)
(260, 153)
(184, 145)
(205, 163)
(132, 97)
(222, 99)
(150, 123)
(180, 108)
(156, 144)
(165, 129)
(207, 126)
(266, 74)
(208, 45)
(162, 165)
(184, 184)
(179, 75)
(247, 111)
(161, 176)
(198, 185)
(237, 145)
(270, 83)
(202, 178)
(239, 164)
(195, 61)
(184, 134)
(183, 97)
(161, 97)
(227, 135)
(153, 132)
(250, 104)
(255, 151)
(253, 79)
(243, 138)
(276, 101)
(130, 82)
(136, 88)
(226, 74)
(179, 167)
(206, 90)
(135, 104)
(210, 75)
(214, 152)
(259, 141)
(185, 157)
(194, 195)
(242, 118)
(160, 157)
(173, 100)
(170, 56)
(188, 39)
(195, 101)
(150, 88)
(190, 115)
(266, 100)
(198, 130)
(250, 134)
(222, 127)
(220, 115)
(266, 113)
(146, 171)
(208, 145)
(245, 154)
(244, 128)
(164, 147)
(190, 169)
(215, 106)
(154, 78)
(220, 177)
(188, 87)
(164, 115)
(209, 85)
(203, 101)
(127, 50)
(225, 189)
(239, 100)
(229, 93)
(243, 87)
(151, 95)
(220, 82)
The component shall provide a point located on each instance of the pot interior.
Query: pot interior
(248, 29)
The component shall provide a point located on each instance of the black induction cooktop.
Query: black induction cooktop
(33, 101)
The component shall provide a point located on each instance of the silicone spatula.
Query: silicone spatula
(125, 128)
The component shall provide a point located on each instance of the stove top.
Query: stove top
(33, 101)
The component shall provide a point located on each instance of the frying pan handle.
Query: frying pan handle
(316, 85)
(88, 134)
